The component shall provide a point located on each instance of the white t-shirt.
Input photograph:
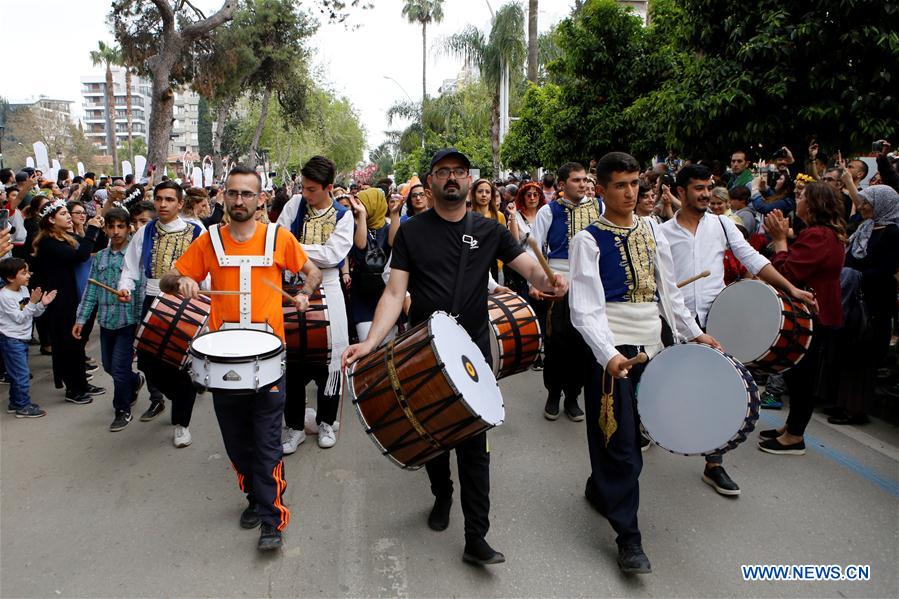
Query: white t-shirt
(17, 313)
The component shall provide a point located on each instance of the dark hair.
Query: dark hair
(90, 175)
(194, 196)
(62, 175)
(741, 193)
(7, 176)
(170, 185)
(699, 172)
(825, 208)
(409, 209)
(864, 166)
(615, 162)
(569, 167)
(642, 190)
(129, 179)
(241, 169)
(549, 180)
(743, 152)
(33, 211)
(141, 207)
(491, 205)
(319, 169)
(73, 203)
(77, 179)
(10, 267)
(116, 214)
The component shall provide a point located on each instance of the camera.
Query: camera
(781, 153)
(877, 146)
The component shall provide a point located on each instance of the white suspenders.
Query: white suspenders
(245, 263)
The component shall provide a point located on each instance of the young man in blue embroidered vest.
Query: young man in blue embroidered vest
(621, 275)
(151, 253)
(325, 231)
(566, 355)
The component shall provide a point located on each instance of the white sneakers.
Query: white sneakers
(292, 440)
(309, 424)
(326, 436)
(182, 436)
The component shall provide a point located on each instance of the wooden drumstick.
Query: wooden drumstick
(222, 292)
(638, 359)
(694, 278)
(541, 259)
(279, 290)
(102, 286)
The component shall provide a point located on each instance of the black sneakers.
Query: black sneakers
(269, 538)
(249, 518)
(769, 434)
(632, 560)
(438, 519)
(574, 413)
(122, 419)
(156, 408)
(551, 409)
(718, 479)
(774, 446)
(645, 442)
(140, 385)
(93, 390)
(30, 411)
(478, 552)
(78, 398)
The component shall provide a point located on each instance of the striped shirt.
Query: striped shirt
(112, 314)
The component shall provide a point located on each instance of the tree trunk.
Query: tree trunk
(221, 115)
(263, 114)
(424, 78)
(128, 113)
(110, 121)
(532, 41)
(494, 132)
(163, 100)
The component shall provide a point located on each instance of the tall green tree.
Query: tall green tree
(533, 38)
(423, 12)
(108, 55)
(501, 49)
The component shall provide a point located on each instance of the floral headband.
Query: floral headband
(52, 207)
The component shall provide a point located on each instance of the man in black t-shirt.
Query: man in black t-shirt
(425, 261)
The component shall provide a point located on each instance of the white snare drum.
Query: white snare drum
(236, 360)
(696, 400)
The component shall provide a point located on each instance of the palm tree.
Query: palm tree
(423, 12)
(128, 113)
(108, 55)
(495, 55)
(532, 41)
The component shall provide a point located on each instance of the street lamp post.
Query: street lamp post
(411, 101)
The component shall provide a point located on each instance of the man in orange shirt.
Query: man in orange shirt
(250, 423)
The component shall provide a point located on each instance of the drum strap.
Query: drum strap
(463, 261)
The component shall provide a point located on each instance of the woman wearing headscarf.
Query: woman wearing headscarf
(368, 257)
(873, 257)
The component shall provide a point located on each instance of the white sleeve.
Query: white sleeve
(745, 253)
(18, 221)
(333, 251)
(491, 283)
(683, 321)
(289, 213)
(131, 263)
(541, 227)
(587, 299)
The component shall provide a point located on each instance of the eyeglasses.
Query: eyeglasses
(532, 194)
(444, 173)
(77, 212)
(418, 194)
(233, 194)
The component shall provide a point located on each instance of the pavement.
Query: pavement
(89, 513)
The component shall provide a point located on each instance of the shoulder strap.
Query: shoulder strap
(271, 236)
(216, 238)
(726, 238)
(463, 262)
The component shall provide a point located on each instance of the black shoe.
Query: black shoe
(478, 552)
(438, 519)
(774, 446)
(46, 352)
(122, 419)
(5, 380)
(89, 368)
(94, 390)
(645, 442)
(156, 408)
(833, 410)
(249, 518)
(771, 433)
(269, 538)
(574, 413)
(80, 398)
(538, 364)
(30, 411)
(140, 385)
(551, 409)
(718, 479)
(847, 419)
(632, 560)
(10, 409)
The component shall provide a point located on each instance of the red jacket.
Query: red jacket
(814, 261)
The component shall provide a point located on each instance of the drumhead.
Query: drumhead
(466, 368)
(236, 344)
(692, 399)
(746, 339)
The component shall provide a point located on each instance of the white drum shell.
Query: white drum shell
(219, 361)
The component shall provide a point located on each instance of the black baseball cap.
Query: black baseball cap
(448, 153)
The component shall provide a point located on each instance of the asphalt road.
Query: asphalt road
(89, 513)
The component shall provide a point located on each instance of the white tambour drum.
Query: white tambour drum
(236, 360)
(696, 400)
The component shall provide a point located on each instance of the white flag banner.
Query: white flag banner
(80, 169)
(126, 168)
(29, 162)
(196, 177)
(41, 156)
(54, 170)
(140, 166)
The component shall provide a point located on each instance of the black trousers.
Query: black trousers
(68, 352)
(567, 356)
(295, 409)
(170, 381)
(616, 465)
(809, 380)
(473, 460)
(251, 430)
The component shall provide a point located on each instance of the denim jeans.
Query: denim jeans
(117, 353)
(15, 358)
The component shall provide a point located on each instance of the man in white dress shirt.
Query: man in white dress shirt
(698, 241)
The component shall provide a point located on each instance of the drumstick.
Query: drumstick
(638, 359)
(686, 282)
(541, 259)
(102, 286)
(279, 290)
(222, 292)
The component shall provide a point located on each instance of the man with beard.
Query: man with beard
(425, 260)
(698, 242)
(250, 422)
